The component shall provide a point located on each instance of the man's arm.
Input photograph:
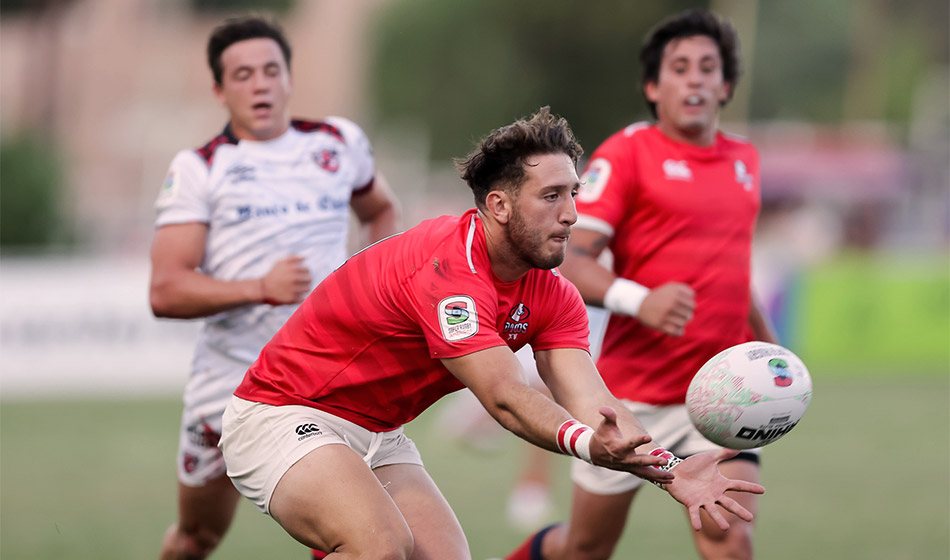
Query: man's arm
(698, 483)
(178, 290)
(377, 210)
(496, 377)
(667, 308)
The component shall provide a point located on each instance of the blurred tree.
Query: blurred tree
(832, 61)
(467, 66)
(801, 61)
(240, 6)
(30, 187)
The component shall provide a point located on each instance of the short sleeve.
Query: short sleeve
(360, 150)
(184, 196)
(567, 325)
(607, 188)
(457, 316)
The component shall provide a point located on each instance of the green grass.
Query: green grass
(865, 475)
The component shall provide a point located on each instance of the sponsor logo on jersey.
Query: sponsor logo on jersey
(594, 180)
(326, 203)
(743, 177)
(677, 170)
(518, 323)
(307, 430)
(779, 369)
(327, 159)
(238, 173)
(458, 318)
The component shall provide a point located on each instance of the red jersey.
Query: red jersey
(675, 212)
(366, 344)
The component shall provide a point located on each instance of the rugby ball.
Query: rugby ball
(749, 395)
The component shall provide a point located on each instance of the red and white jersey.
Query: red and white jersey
(674, 212)
(264, 201)
(366, 344)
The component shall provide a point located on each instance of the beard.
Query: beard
(528, 245)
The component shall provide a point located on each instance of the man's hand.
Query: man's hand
(698, 484)
(667, 308)
(288, 281)
(611, 449)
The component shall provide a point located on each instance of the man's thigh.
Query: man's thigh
(435, 528)
(330, 500)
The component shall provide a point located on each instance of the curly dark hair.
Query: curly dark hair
(499, 160)
(690, 23)
(242, 29)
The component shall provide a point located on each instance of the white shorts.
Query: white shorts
(670, 427)
(261, 442)
(212, 382)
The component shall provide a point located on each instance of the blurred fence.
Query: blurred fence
(82, 327)
(77, 327)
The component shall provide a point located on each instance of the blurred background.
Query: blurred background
(848, 102)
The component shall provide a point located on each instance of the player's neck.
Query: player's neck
(242, 133)
(702, 138)
(504, 262)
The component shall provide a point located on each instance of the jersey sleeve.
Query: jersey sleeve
(184, 196)
(457, 316)
(566, 325)
(360, 150)
(607, 188)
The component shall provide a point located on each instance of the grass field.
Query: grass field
(866, 475)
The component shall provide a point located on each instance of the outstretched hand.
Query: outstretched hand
(611, 449)
(699, 485)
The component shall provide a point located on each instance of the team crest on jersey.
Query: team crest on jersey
(328, 159)
(517, 322)
(677, 170)
(594, 180)
(743, 177)
(458, 318)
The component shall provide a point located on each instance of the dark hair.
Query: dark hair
(690, 23)
(241, 29)
(499, 159)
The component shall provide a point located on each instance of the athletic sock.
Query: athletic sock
(531, 548)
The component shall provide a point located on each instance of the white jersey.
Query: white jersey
(264, 201)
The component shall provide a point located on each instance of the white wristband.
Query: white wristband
(573, 438)
(625, 296)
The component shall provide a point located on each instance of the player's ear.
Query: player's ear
(218, 93)
(651, 91)
(498, 205)
(726, 93)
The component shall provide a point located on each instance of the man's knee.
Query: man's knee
(734, 544)
(198, 541)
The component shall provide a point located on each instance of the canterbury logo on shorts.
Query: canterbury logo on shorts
(307, 430)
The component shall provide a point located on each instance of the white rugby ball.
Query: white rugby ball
(749, 395)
